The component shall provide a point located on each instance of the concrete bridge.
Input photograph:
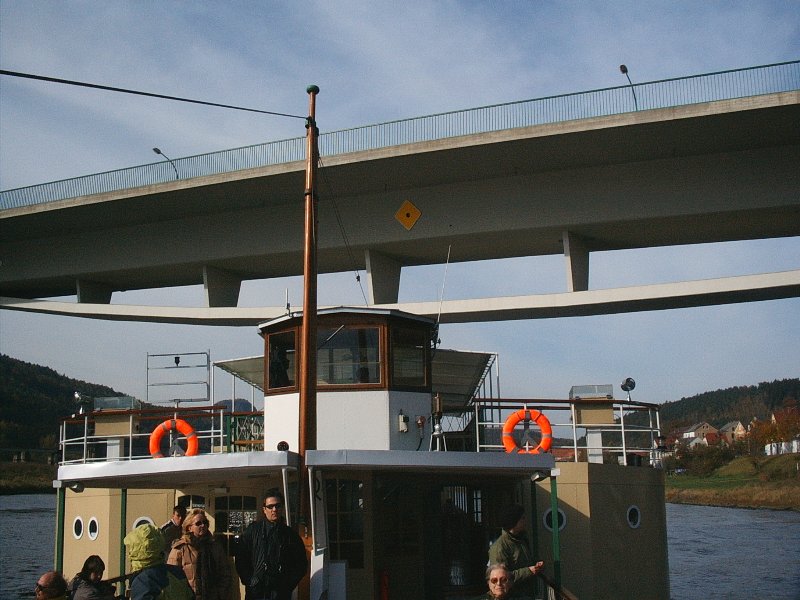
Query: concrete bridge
(699, 172)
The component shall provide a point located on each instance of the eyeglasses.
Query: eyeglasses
(275, 506)
(198, 523)
(496, 580)
(38, 587)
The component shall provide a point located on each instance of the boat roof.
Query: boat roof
(355, 310)
(176, 472)
(456, 374)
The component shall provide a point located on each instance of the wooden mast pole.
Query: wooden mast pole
(308, 345)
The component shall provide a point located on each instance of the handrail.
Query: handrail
(555, 591)
(78, 441)
(624, 436)
(664, 93)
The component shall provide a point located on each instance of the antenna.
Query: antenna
(441, 298)
(288, 306)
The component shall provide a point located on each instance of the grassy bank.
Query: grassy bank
(746, 482)
(26, 478)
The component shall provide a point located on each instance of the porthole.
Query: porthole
(634, 516)
(142, 521)
(94, 528)
(547, 520)
(77, 528)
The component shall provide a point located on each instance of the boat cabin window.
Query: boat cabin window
(409, 353)
(348, 355)
(353, 351)
(282, 363)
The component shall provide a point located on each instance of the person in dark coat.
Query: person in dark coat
(270, 556)
(88, 584)
(173, 529)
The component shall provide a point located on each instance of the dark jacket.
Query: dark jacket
(270, 560)
(80, 589)
(161, 582)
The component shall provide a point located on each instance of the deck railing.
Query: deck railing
(665, 93)
(584, 430)
(589, 430)
(125, 435)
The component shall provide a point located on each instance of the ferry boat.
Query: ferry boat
(408, 468)
(394, 461)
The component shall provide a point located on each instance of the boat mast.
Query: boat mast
(308, 348)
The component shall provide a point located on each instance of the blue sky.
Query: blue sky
(377, 61)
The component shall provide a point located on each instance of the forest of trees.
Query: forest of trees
(33, 399)
(742, 403)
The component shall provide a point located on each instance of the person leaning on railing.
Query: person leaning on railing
(512, 549)
(89, 584)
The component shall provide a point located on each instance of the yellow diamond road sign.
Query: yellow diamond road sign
(408, 215)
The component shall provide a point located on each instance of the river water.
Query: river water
(730, 553)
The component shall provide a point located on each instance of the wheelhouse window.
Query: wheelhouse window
(348, 355)
(409, 357)
(282, 360)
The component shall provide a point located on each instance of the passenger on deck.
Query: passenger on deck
(51, 586)
(270, 556)
(513, 550)
(89, 584)
(145, 546)
(203, 559)
(500, 581)
(172, 529)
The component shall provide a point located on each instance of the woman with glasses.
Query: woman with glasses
(500, 581)
(202, 558)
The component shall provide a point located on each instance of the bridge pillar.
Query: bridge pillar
(577, 254)
(222, 287)
(383, 278)
(92, 292)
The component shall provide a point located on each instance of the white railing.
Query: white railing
(588, 430)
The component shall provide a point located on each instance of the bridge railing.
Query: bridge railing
(665, 93)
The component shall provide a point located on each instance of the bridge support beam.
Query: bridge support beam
(92, 292)
(383, 278)
(222, 287)
(577, 254)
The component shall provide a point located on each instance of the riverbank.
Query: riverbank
(746, 482)
(26, 478)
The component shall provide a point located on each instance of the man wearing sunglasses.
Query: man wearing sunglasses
(51, 586)
(270, 556)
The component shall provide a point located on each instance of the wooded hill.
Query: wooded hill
(741, 403)
(33, 399)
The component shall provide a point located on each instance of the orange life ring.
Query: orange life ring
(192, 443)
(510, 444)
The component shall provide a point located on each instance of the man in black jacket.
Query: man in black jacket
(270, 556)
